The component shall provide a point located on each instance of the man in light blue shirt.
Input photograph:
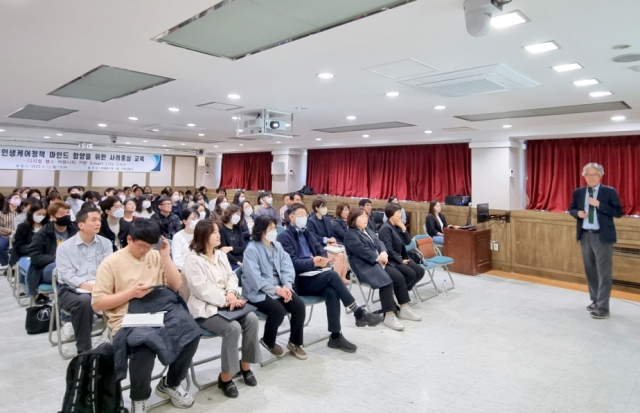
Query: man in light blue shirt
(77, 260)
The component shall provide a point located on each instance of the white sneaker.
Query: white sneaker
(179, 396)
(392, 322)
(406, 313)
(139, 407)
(67, 331)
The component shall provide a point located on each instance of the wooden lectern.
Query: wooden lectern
(471, 250)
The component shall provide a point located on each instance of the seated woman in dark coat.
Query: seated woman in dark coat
(231, 235)
(340, 226)
(436, 223)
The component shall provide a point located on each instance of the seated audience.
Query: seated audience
(128, 192)
(176, 204)
(137, 193)
(130, 208)
(75, 199)
(436, 223)
(213, 286)
(24, 192)
(188, 197)
(198, 198)
(114, 227)
(26, 206)
(340, 226)
(287, 203)
(48, 190)
(124, 284)
(182, 239)
(265, 200)
(214, 201)
(203, 211)
(319, 224)
(239, 198)
(231, 235)
(267, 283)
(42, 249)
(203, 190)
(367, 207)
(403, 213)
(182, 199)
(368, 259)
(77, 260)
(308, 255)
(144, 208)
(221, 205)
(395, 236)
(169, 223)
(34, 193)
(11, 209)
(249, 219)
(109, 192)
(35, 219)
(297, 198)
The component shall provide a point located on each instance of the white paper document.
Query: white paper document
(334, 249)
(143, 320)
(82, 290)
(315, 272)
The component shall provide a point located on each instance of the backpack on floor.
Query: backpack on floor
(91, 383)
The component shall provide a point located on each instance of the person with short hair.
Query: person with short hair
(114, 227)
(75, 199)
(182, 239)
(308, 256)
(214, 202)
(139, 279)
(42, 250)
(77, 260)
(109, 192)
(297, 198)
(367, 207)
(127, 191)
(267, 282)
(10, 211)
(340, 226)
(403, 214)
(265, 200)
(214, 286)
(137, 193)
(319, 224)
(287, 203)
(169, 223)
(203, 191)
(594, 207)
(231, 235)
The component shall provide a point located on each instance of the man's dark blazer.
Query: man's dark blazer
(610, 208)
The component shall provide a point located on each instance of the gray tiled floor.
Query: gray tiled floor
(492, 345)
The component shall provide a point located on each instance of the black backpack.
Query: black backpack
(91, 383)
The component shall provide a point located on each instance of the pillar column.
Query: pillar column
(295, 171)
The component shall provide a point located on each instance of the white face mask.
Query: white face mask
(248, 211)
(241, 199)
(301, 222)
(175, 198)
(122, 198)
(224, 205)
(24, 196)
(118, 213)
(146, 204)
(38, 218)
(235, 219)
(203, 215)
(193, 224)
(271, 235)
(323, 211)
(269, 200)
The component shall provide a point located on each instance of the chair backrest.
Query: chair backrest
(425, 246)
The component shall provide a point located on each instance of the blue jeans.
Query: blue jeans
(4, 251)
(47, 273)
(438, 239)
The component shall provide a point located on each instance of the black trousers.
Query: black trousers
(276, 311)
(398, 287)
(79, 305)
(412, 273)
(141, 362)
(330, 286)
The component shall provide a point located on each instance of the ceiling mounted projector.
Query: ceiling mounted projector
(264, 123)
(478, 14)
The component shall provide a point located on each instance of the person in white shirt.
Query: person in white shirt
(249, 217)
(144, 209)
(182, 239)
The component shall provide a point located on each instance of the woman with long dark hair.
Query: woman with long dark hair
(114, 227)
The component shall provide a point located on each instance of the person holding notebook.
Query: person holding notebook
(214, 286)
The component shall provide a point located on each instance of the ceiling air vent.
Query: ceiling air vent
(459, 129)
(168, 128)
(486, 79)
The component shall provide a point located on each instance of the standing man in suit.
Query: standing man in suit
(594, 206)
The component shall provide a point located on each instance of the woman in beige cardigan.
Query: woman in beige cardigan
(213, 285)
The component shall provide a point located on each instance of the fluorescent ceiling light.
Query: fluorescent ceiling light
(567, 67)
(318, 139)
(233, 96)
(240, 130)
(182, 144)
(145, 141)
(278, 142)
(201, 134)
(618, 118)
(393, 94)
(102, 125)
(586, 82)
(542, 47)
(365, 136)
(132, 118)
(127, 143)
(58, 134)
(1, 130)
(155, 130)
(236, 118)
(600, 94)
(47, 137)
(351, 117)
(507, 126)
(439, 107)
(215, 146)
(174, 110)
(191, 125)
(164, 145)
(326, 75)
(508, 19)
(241, 144)
(428, 131)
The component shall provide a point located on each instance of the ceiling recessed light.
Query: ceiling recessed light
(164, 145)
(191, 125)
(155, 130)
(240, 130)
(392, 94)
(145, 141)
(567, 67)
(586, 82)
(365, 136)
(508, 19)
(439, 107)
(201, 134)
(507, 126)
(215, 146)
(600, 94)
(1, 130)
(102, 125)
(318, 139)
(351, 118)
(326, 75)
(428, 131)
(174, 110)
(127, 143)
(278, 142)
(132, 118)
(182, 144)
(233, 96)
(236, 118)
(241, 144)
(618, 118)
(542, 47)
(47, 137)
(58, 134)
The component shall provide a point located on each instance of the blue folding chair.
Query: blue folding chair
(20, 283)
(438, 260)
(438, 246)
(429, 268)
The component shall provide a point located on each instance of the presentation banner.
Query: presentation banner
(78, 160)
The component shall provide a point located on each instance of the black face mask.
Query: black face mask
(64, 221)
(75, 196)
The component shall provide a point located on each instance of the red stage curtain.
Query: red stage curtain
(417, 173)
(250, 171)
(554, 170)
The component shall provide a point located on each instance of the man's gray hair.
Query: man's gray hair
(595, 166)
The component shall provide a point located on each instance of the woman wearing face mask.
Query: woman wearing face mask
(249, 219)
(176, 205)
(231, 236)
(34, 193)
(114, 227)
(25, 192)
(265, 200)
(130, 207)
(35, 219)
(26, 206)
(203, 211)
(239, 198)
(221, 205)
(12, 208)
(144, 209)
(182, 239)
(267, 283)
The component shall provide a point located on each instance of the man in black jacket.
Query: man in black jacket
(169, 222)
(594, 206)
(42, 250)
(366, 205)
